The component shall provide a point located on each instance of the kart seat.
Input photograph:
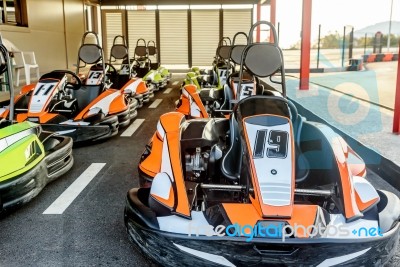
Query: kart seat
(232, 160)
(228, 96)
(212, 78)
(86, 94)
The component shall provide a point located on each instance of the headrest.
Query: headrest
(263, 59)
(119, 51)
(152, 50)
(141, 51)
(224, 51)
(90, 53)
(236, 53)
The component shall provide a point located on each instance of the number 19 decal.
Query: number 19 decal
(277, 144)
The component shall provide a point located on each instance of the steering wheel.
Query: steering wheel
(71, 85)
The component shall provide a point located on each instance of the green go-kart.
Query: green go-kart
(29, 157)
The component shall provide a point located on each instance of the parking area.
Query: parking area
(89, 230)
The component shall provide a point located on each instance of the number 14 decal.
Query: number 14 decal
(277, 141)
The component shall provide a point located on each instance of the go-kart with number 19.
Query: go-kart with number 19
(29, 157)
(262, 187)
(87, 110)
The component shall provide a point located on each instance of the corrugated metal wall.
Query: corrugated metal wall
(205, 36)
(174, 37)
(173, 31)
(236, 20)
(141, 24)
(113, 21)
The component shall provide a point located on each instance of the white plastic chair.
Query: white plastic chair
(26, 61)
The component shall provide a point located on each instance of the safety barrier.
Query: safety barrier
(380, 57)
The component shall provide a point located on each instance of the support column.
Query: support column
(305, 45)
(258, 31)
(396, 118)
(272, 18)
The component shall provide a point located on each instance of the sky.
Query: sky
(333, 15)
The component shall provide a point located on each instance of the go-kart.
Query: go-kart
(87, 110)
(264, 187)
(209, 101)
(29, 157)
(142, 66)
(155, 64)
(122, 78)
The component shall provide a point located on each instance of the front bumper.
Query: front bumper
(172, 249)
(84, 133)
(22, 188)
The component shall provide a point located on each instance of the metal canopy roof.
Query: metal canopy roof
(175, 2)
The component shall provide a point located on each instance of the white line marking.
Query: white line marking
(155, 103)
(132, 128)
(168, 90)
(175, 83)
(68, 196)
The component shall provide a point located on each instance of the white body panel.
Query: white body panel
(274, 171)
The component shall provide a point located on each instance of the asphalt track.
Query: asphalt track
(77, 220)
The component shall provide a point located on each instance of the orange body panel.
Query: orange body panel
(21, 117)
(152, 164)
(357, 165)
(118, 105)
(27, 88)
(101, 96)
(185, 107)
(363, 206)
(171, 124)
(142, 88)
(350, 205)
(246, 214)
(170, 202)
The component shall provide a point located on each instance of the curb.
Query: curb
(385, 168)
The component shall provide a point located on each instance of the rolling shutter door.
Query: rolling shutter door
(205, 36)
(236, 20)
(113, 27)
(141, 24)
(174, 37)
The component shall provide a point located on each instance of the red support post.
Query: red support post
(272, 18)
(305, 45)
(258, 31)
(396, 117)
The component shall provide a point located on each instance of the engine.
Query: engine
(196, 162)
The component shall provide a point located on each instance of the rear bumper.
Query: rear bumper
(172, 249)
(22, 188)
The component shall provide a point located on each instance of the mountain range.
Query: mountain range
(381, 26)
